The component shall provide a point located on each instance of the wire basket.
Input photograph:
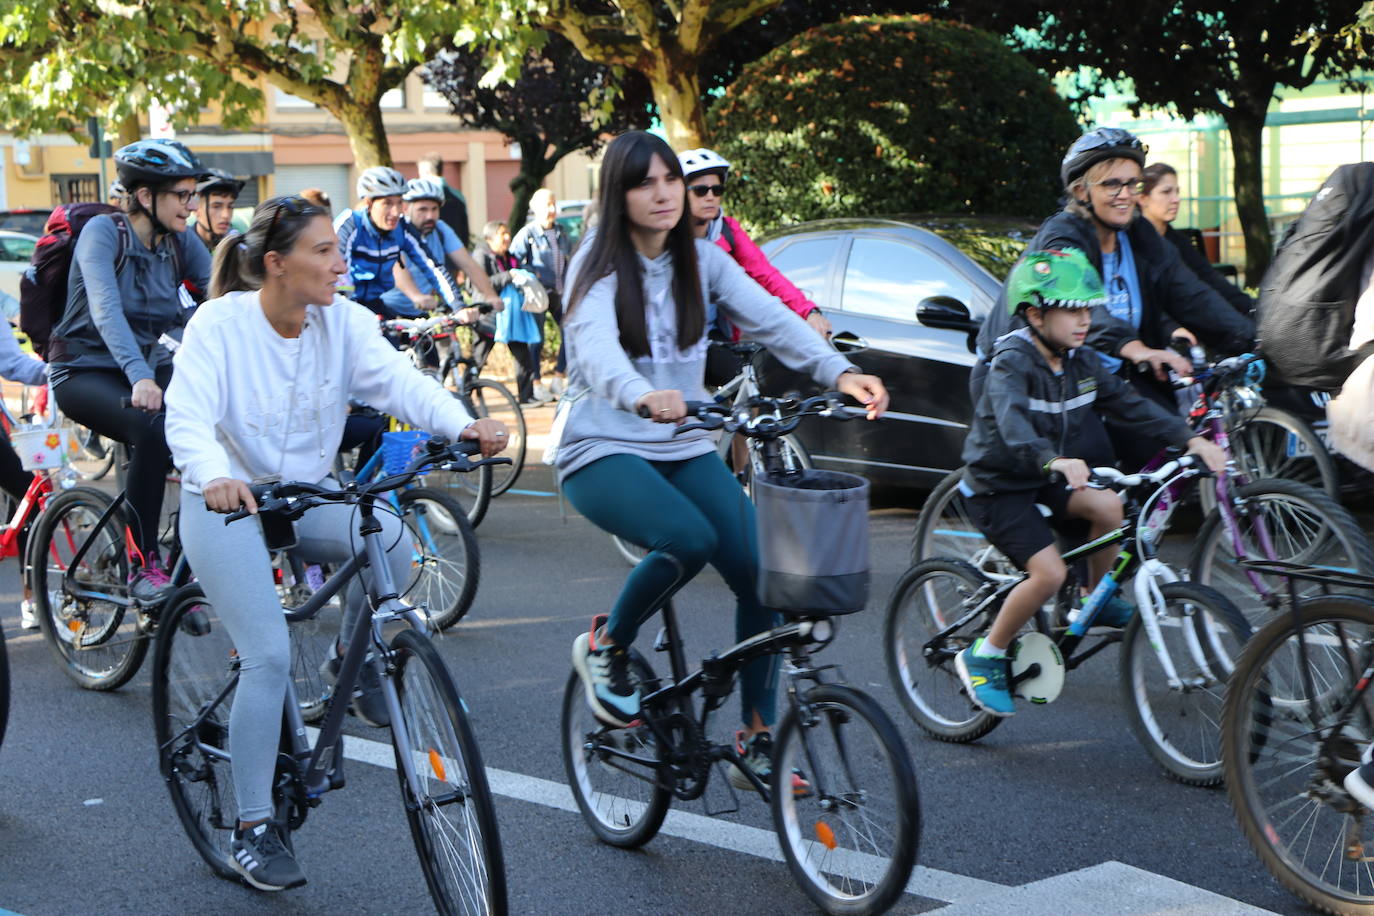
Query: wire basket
(400, 449)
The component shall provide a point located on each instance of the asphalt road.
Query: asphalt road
(87, 827)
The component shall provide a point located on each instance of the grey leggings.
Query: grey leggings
(232, 565)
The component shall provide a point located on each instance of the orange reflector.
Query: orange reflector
(825, 834)
(74, 626)
(437, 765)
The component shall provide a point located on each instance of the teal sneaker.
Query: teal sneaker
(1117, 612)
(985, 679)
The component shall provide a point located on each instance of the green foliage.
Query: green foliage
(890, 115)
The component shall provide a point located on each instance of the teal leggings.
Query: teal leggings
(687, 513)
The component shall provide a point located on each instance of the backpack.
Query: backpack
(1307, 299)
(43, 286)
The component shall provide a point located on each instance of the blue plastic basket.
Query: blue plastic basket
(399, 449)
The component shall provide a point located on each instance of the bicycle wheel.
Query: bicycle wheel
(1285, 767)
(448, 804)
(312, 640)
(100, 643)
(791, 453)
(494, 400)
(945, 529)
(851, 842)
(1179, 724)
(4, 686)
(447, 561)
(1271, 442)
(1302, 524)
(195, 673)
(614, 773)
(632, 553)
(97, 454)
(929, 597)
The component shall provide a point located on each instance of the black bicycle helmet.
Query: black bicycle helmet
(218, 181)
(1097, 146)
(145, 162)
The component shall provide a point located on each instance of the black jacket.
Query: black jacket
(454, 211)
(1204, 271)
(1028, 416)
(1172, 294)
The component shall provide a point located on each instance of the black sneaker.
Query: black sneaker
(264, 860)
(757, 754)
(605, 671)
(368, 703)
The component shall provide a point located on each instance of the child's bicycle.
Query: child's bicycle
(1176, 653)
(851, 840)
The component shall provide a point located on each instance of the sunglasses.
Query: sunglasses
(701, 190)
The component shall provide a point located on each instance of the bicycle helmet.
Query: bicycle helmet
(423, 189)
(155, 162)
(1097, 146)
(696, 161)
(218, 181)
(380, 181)
(1054, 279)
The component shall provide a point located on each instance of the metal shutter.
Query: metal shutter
(333, 179)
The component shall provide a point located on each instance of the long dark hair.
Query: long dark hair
(277, 223)
(625, 165)
(1154, 174)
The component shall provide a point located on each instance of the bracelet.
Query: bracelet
(1045, 468)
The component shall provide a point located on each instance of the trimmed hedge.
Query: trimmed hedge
(891, 114)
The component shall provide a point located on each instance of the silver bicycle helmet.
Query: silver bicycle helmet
(423, 189)
(696, 161)
(380, 181)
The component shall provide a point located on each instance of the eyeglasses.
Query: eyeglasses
(185, 197)
(1114, 186)
(701, 190)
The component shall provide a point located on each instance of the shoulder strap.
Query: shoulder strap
(122, 252)
(728, 232)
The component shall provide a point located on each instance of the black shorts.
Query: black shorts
(1012, 522)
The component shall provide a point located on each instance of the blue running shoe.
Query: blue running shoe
(612, 692)
(986, 680)
(1117, 612)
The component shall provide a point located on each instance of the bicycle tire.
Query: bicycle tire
(945, 529)
(4, 686)
(100, 645)
(863, 813)
(1260, 444)
(448, 562)
(1184, 739)
(450, 778)
(624, 810)
(192, 666)
(1304, 525)
(312, 640)
(97, 454)
(1252, 730)
(918, 609)
(494, 400)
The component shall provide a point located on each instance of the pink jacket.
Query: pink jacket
(756, 265)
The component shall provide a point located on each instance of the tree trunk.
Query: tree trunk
(1247, 146)
(366, 134)
(677, 92)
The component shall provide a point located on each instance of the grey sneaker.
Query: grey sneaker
(150, 584)
(368, 703)
(264, 860)
(757, 754)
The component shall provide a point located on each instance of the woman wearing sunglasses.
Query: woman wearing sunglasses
(125, 291)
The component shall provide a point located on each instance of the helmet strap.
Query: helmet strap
(1057, 350)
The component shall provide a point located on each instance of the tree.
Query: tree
(558, 104)
(63, 60)
(665, 40)
(1197, 57)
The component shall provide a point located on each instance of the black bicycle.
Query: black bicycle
(443, 784)
(851, 840)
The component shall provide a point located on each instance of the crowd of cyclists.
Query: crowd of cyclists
(279, 335)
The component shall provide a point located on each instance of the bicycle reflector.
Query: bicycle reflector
(437, 765)
(825, 834)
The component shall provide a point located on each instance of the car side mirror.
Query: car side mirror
(945, 312)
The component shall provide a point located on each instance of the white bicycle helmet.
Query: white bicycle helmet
(380, 181)
(423, 189)
(696, 161)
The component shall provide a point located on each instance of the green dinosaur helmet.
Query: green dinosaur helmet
(1055, 279)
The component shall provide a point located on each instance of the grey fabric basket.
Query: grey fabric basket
(813, 543)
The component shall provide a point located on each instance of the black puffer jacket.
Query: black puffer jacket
(1028, 416)
(1172, 292)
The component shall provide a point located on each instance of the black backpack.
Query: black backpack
(1307, 299)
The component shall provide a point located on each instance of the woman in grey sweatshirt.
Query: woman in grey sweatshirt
(635, 331)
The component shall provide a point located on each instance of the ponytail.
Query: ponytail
(231, 270)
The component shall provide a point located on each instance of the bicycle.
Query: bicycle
(851, 842)
(1297, 719)
(443, 784)
(1176, 652)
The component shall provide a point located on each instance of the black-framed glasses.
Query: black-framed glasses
(701, 190)
(1114, 186)
(184, 197)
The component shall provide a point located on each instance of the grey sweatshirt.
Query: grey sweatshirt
(604, 382)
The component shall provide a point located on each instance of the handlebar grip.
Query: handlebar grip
(485, 308)
(643, 411)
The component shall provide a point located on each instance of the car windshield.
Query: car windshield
(17, 248)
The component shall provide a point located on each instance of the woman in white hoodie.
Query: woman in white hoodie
(262, 383)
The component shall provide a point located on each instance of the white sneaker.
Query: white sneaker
(28, 620)
(541, 392)
(558, 386)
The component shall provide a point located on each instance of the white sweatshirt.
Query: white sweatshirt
(245, 402)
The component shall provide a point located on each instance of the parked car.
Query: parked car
(916, 288)
(16, 248)
(25, 220)
(570, 219)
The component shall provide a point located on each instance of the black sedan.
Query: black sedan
(916, 289)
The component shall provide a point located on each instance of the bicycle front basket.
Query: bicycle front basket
(400, 448)
(813, 543)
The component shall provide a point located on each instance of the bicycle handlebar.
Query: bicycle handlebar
(1113, 479)
(778, 416)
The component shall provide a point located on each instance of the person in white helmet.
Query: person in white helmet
(371, 241)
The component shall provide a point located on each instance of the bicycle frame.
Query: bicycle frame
(180, 575)
(40, 487)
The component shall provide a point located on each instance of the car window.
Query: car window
(806, 262)
(12, 249)
(887, 278)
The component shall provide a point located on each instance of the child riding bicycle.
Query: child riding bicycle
(1042, 385)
